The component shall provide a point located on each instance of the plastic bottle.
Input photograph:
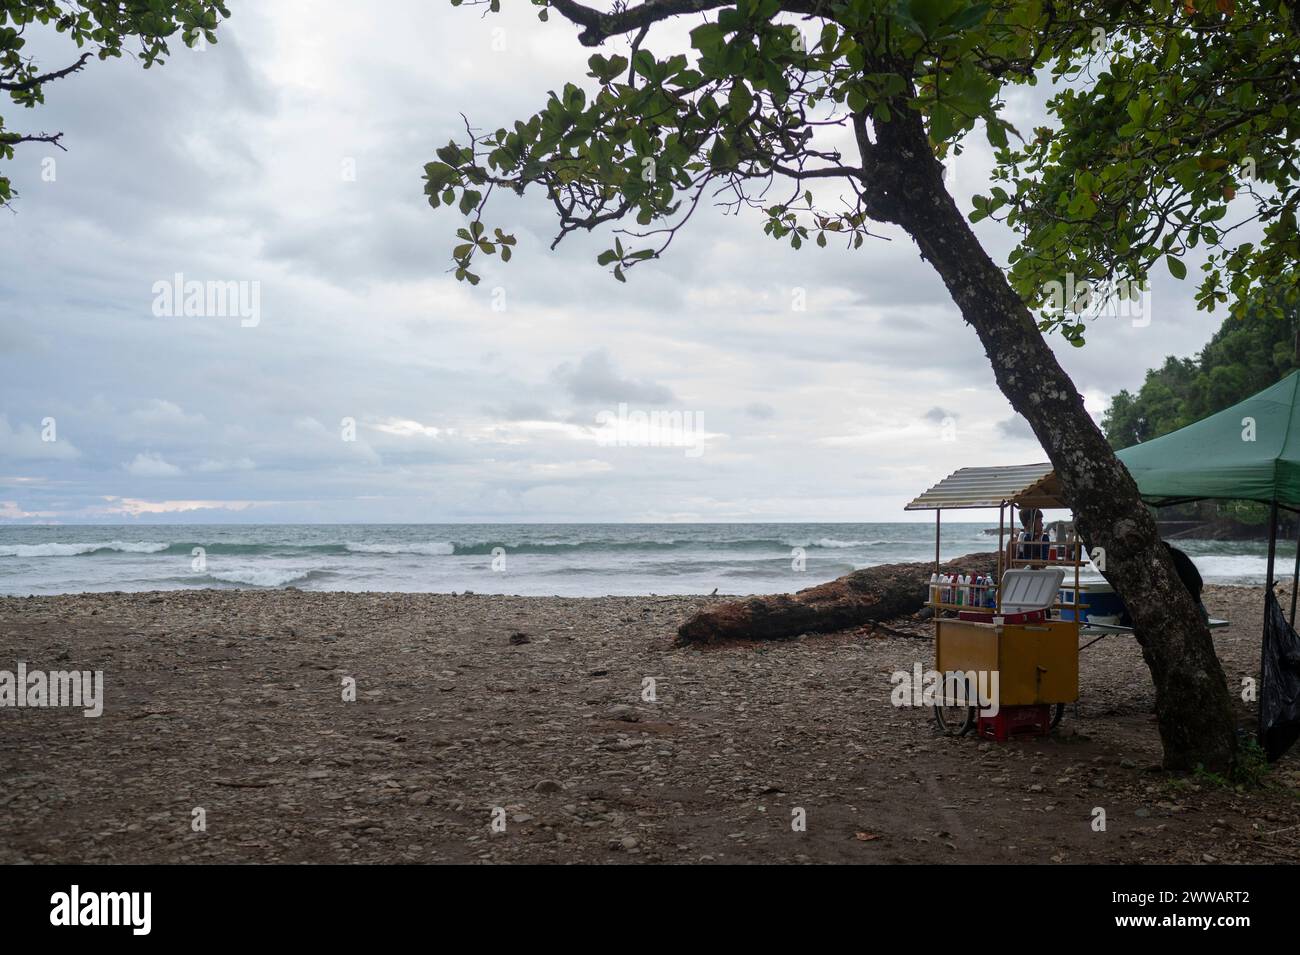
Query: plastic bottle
(934, 588)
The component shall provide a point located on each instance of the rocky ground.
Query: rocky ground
(471, 709)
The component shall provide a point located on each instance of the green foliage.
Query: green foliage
(101, 28)
(1163, 125)
(1165, 113)
(1245, 356)
(1250, 771)
(652, 136)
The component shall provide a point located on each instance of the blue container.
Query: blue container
(1097, 598)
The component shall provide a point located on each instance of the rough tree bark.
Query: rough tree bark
(871, 595)
(1193, 706)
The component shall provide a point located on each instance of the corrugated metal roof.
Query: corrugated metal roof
(1028, 485)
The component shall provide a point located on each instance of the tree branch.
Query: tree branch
(599, 26)
(36, 81)
(13, 139)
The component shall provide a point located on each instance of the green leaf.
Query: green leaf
(643, 63)
(708, 37)
(741, 101)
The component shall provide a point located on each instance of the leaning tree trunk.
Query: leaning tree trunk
(1193, 706)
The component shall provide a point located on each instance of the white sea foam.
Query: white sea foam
(259, 576)
(1237, 568)
(430, 549)
(77, 550)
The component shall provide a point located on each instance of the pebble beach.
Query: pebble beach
(529, 729)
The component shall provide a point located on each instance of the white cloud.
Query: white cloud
(10, 511)
(134, 507)
(463, 411)
(211, 466)
(147, 464)
(27, 442)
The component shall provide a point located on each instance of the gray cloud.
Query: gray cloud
(594, 379)
(470, 403)
(1016, 428)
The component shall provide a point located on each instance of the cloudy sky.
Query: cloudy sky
(288, 157)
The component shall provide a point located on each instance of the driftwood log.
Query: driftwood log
(871, 595)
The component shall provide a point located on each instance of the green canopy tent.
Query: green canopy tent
(1249, 452)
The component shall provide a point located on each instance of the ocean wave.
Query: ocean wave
(1234, 568)
(428, 549)
(563, 547)
(832, 542)
(262, 576)
(78, 550)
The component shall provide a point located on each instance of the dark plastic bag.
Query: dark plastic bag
(1279, 695)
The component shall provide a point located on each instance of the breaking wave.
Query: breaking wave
(78, 550)
(263, 576)
(429, 549)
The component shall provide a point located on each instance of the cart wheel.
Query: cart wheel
(955, 720)
(1057, 713)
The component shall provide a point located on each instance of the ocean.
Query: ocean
(575, 560)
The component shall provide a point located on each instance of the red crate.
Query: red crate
(1012, 721)
(1025, 616)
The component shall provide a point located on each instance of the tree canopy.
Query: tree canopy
(1173, 116)
(101, 29)
(1169, 111)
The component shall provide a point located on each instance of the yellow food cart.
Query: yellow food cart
(1022, 636)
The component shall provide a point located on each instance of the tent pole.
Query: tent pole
(1002, 551)
(937, 512)
(1295, 575)
(1272, 544)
